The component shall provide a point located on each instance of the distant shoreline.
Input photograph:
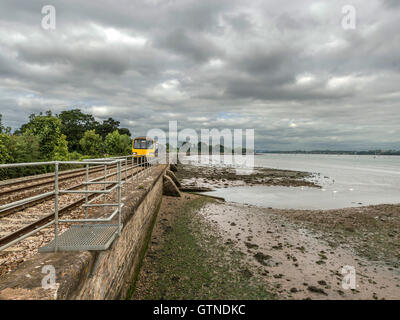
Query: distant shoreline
(354, 153)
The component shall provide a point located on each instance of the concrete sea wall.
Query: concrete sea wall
(94, 274)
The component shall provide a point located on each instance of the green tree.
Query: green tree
(25, 148)
(48, 129)
(5, 156)
(1, 124)
(126, 144)
(74, 124)
(108, 126)
(4, 129)
(91, 144)
(61, 149)
(5, 144)
(116, 144)
(25, 126)
(124, 131)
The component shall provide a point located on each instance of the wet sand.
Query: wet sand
(188, 259)
(286, 253)
(296, 259)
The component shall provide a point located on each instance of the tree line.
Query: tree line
(70, 135)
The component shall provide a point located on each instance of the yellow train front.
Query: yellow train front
(144, 147)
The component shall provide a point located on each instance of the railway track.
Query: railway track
(31, 183)
(42, 220)
(45, 196)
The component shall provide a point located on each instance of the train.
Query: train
(144, 147)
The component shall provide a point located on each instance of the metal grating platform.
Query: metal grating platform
(84, 237)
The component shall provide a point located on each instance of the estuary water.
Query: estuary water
(346, 180)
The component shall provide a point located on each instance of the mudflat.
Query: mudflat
(224, 177)
(202, 248)
(301, 254)
(188, 259)
(206, 249)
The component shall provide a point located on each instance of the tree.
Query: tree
(25, 148)
(4, 129)
(5, 145)
(48, 129)
(1, 124)
(5, 156)
(116, 144)
(74, 124)
(61, 149)
(17, 149)
(91, 143)
(126, 145)
(108, 126)
(124, 131)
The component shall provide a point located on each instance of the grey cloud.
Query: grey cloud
(193, 46)
(290, 72)
(240, 22)
(114, 61)
(392, 3)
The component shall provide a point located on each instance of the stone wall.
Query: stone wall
(94, 275)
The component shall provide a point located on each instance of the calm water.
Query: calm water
(346, 180)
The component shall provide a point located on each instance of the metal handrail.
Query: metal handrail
(117, 186)
(142, 163)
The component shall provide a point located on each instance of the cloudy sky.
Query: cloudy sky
(288, 68)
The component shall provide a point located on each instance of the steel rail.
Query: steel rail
(50, 175)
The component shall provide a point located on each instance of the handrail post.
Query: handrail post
(86, 189)
(105, 186)
(119, 197)
(132, 173)
(137, 170)
(56, 192)
(126, 176)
